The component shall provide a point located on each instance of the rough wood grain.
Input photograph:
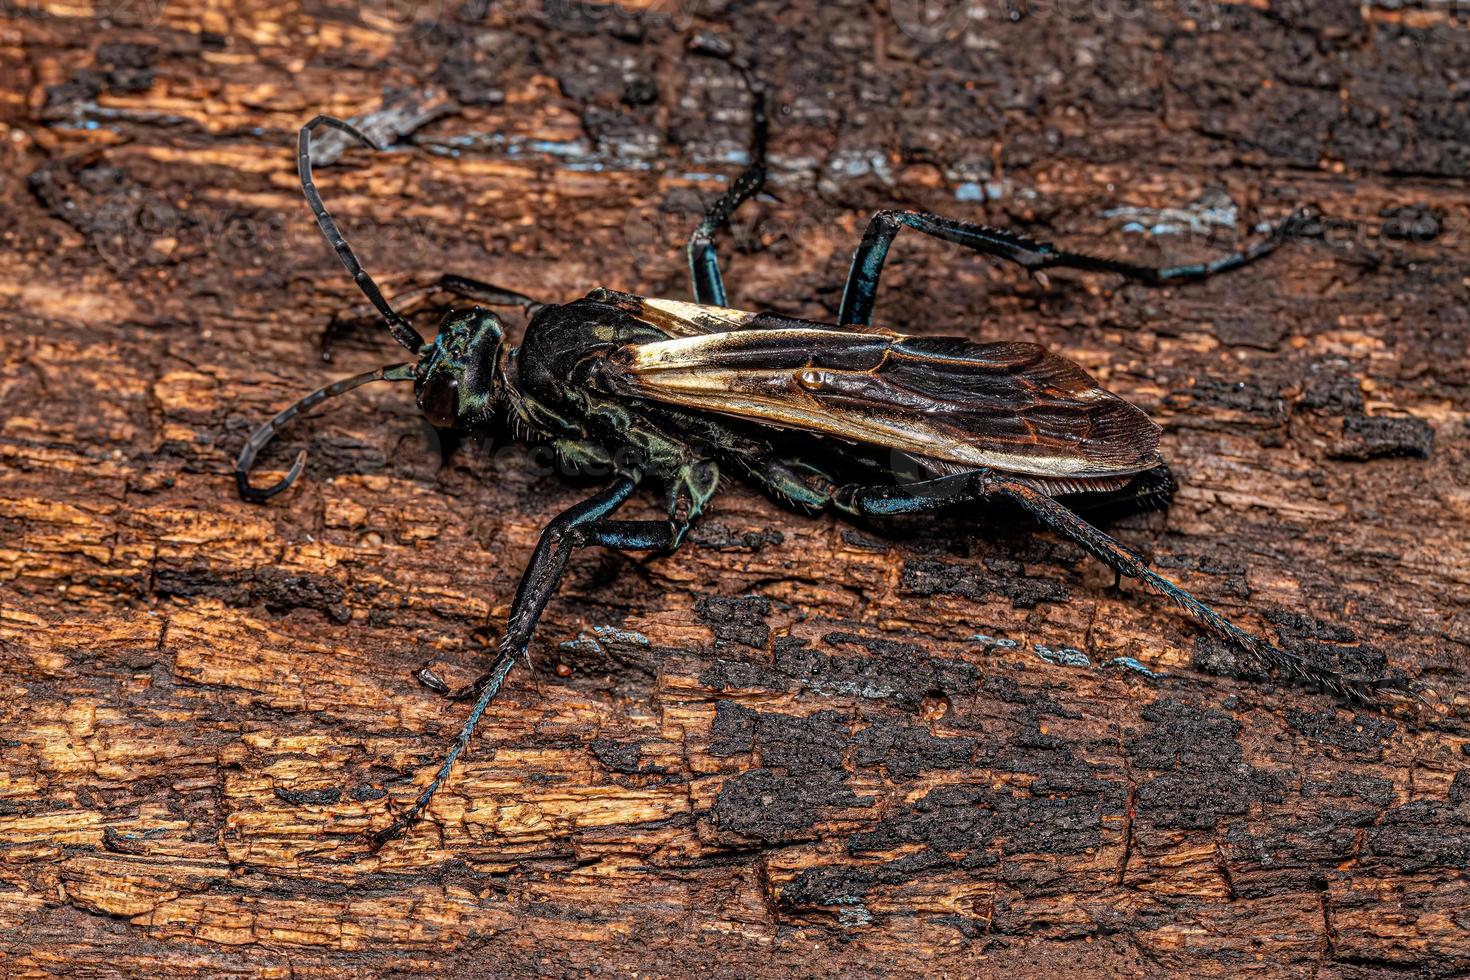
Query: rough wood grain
(798, 746)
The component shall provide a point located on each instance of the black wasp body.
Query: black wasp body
(846, 416)
(679, 391)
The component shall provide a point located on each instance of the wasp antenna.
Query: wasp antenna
(266, 432)
(402, 331)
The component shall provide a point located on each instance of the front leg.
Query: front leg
(691, 476)
(580, 526)
(583, 457)
(416, 298)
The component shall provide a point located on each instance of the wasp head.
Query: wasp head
(458, 380)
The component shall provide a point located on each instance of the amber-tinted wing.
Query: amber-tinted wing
(677, 318)
(1010, 406)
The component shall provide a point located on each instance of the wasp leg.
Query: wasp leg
(691, 488)
(580, 526)
(416, 298)
(704, 263)
(481, 292)
(867, 262)
(798, 482)
(691, 476)
(982, 485)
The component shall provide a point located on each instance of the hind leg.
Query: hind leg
(867, 262)
(981, 486)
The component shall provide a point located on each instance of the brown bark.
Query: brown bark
(797, 746)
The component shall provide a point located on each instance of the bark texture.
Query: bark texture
(799, 746)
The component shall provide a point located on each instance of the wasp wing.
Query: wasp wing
(1013, 407)
(677, 318)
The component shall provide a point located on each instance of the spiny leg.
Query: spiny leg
(490, 686)
(704, 263)
(467, 287)
(416, 298)
(798, 482)
(580, 526)
(982, 485)
(1123, 561)
(867, 262)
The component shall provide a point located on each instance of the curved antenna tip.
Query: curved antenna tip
(259, 495)
(266, 431)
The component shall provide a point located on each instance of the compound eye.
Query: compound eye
(440, 402)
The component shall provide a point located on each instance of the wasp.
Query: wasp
(844, 416)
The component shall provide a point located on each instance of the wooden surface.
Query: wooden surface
(798, 746)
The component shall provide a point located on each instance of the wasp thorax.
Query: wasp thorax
(457, 381)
